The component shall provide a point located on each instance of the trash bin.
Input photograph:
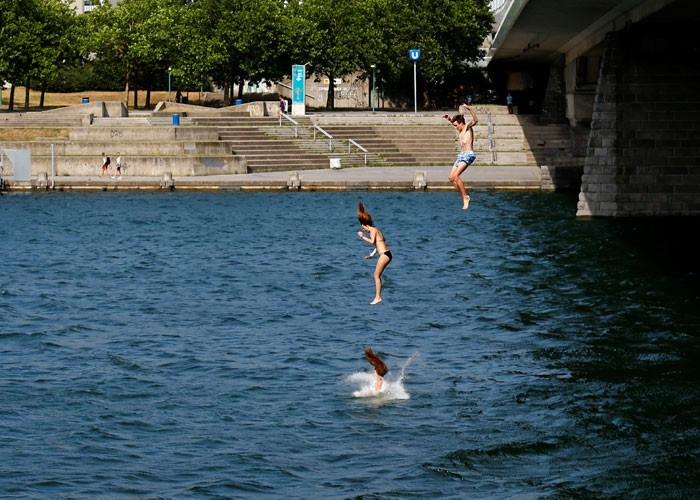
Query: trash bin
(86, 100)
(176, 119)
(335, 162)
(239, 101)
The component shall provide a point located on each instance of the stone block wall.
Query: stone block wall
(146, 151)
(643, 155)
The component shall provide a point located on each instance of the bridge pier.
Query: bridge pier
(643, 154)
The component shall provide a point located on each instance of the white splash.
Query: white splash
(392, 388)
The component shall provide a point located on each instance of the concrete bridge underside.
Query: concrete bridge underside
(625, 75)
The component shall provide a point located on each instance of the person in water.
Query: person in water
(375, 238)
(380, 369)
(466, 154)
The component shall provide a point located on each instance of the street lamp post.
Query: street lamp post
(170, 70)
(414, 55)
(374, 81)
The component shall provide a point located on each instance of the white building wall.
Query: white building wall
(83, 6)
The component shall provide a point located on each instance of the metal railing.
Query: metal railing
(352, 143)
(330, 137)
(492, 140)
(293, 121)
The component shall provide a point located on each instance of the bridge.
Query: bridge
(624, 75)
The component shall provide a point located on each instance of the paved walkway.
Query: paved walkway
(476, 177)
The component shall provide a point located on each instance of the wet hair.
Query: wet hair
(376, 362)
(458, 119)
(363, 215)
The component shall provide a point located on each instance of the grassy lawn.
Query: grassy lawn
(56, 99)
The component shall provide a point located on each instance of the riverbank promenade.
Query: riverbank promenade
(358, 178)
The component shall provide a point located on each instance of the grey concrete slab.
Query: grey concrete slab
(476, 177)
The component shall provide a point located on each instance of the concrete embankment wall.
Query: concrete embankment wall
(146, 151)
(148, 166)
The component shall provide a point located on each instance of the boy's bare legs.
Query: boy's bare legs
(456, 181)
(381, 265)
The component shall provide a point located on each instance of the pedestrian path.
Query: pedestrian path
(477, 177)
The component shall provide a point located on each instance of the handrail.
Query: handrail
(290, 88)
(330, 137)
(492, 140)
(353, 143)
(296, 123)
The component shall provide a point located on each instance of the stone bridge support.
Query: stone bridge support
(643, 155)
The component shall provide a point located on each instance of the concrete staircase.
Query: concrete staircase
(391, 139)
(234, 141)
(269, 144)
(428, 139)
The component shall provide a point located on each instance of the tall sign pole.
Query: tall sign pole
(414, 55)
(298, 90)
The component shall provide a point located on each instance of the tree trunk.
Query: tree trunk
(26, 94)
(136, 98)
(41, 99)
(330, 101)
(126, 88)
(148, 98)
(426, 98)
(240, 89)
(11, 104)
(126, 93)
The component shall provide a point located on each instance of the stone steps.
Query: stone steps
(259, 144)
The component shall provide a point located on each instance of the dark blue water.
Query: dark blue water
(209, 345)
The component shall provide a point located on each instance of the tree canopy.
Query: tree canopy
(139, 43)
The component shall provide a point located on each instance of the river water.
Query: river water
(209, 345)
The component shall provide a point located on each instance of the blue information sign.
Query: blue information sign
(298, 83)
(414, 54)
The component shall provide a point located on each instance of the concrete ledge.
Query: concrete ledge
(355, 179)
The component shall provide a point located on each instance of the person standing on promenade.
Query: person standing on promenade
(380, 369)
(118, 161)
(283, 105)
(105, 165)
(509, 103)
(466, 154)
(375, 238)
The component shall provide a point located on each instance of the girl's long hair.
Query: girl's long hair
(376, 362)
(363, 215)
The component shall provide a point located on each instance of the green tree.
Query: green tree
(258, 42)
(197, 49)
(57, 41)
(20, 40)
(449, 34)
(246, 42)
(340, 38)
(333, 36)
(135, 36)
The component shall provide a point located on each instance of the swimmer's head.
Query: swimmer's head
(458, 119)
